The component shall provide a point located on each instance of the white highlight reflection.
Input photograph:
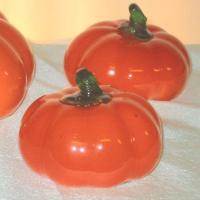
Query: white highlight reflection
(74, 148)
(82, 149)
(111, 72)
(100, 147)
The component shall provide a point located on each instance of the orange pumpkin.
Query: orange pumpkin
(91, 135)
(16, 68)
(132, 56)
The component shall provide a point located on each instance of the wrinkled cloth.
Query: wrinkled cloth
(176, 177)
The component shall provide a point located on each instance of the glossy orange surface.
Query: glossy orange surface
(12, 79)
(16, 68)
(102, 145)
(156, 69)
(20, 45)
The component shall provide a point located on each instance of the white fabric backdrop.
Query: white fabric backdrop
(176, 177)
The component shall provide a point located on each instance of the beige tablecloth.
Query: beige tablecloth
(176, 178)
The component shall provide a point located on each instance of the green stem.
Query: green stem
(137, 23)
(90, 93)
